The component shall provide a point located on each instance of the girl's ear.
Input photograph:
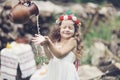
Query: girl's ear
(59, 27)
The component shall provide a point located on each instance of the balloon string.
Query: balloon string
(38, 28)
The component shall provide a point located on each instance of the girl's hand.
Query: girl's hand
(48, 39)
(38, 39)
(24, 1)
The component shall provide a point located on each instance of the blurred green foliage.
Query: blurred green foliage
(102, 31)
(115, 2)
(41, 59)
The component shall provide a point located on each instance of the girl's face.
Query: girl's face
(67, 29)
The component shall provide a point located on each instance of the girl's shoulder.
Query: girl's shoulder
(70, 41)
(73, 40)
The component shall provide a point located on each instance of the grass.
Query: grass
(41, 59)
(103, 32)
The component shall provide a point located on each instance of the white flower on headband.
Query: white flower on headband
(57, 21)
(74, 18)
(65, 17)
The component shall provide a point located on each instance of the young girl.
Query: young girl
(62, 49)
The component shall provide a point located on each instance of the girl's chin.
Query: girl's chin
(66, 37)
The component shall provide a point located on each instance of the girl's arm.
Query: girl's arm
(40, 40)
(60, 53)
(47, 52)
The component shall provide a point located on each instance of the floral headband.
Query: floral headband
(68, 17)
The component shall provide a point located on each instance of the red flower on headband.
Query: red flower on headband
(61, 18)
(69, 17)
(77, 21)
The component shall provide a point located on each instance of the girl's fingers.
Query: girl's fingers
(38, 35)
(38, 39)
(34, 40)
(46, 37)
(23, 1)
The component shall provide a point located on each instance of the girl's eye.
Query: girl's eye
(64, 27)
(70, 27)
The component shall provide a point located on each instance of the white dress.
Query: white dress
(58, 69)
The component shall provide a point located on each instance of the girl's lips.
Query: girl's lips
(67, 33)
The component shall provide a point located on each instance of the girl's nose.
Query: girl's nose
(67, 29)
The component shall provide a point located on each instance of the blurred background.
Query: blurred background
(100, 31)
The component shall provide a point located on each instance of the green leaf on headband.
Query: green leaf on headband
(68, 12)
